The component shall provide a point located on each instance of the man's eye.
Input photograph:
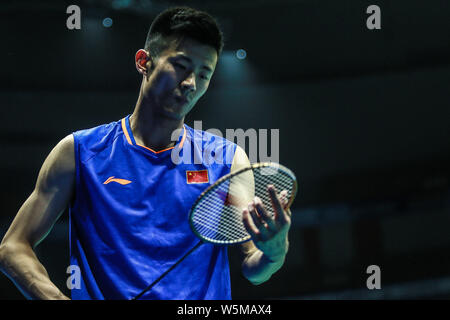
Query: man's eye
(179, 65)
(203, 77)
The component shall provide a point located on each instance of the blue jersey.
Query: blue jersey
(129, 217)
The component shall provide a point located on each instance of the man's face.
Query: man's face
(179, 77)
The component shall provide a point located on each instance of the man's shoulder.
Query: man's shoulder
(98, 137)
(101, 129)
(211, 136)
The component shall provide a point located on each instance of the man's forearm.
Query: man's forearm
(22, 266)
(258, 268)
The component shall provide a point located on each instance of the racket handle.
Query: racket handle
(151, 285)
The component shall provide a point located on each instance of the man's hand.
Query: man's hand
(269, 234)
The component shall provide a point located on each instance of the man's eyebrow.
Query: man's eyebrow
(189, 60)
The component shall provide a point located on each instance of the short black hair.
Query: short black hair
(181, 22)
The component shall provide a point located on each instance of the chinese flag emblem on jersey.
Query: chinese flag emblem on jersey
(200, 176)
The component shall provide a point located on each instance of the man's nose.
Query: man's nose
(188, 84)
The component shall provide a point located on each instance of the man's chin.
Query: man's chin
(172, 113)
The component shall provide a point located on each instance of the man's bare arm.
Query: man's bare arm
(50, 197)
(257, 266)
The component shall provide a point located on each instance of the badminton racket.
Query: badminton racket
(216, 215)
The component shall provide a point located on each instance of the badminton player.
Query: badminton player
(129, 202)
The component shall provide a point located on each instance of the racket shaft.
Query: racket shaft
(167, 271)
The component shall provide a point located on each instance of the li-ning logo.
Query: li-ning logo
(120, 181)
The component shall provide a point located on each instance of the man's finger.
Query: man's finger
(256, 218)
(266, 217)
(284, 198)
(258, 222)
(249, 225)
(280, 216)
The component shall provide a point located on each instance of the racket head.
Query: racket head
(215, 219)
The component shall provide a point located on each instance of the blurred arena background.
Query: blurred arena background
(364, 120)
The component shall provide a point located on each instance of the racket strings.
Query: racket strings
(222, 225)
(218, 216)
(283, 182)
(220, 222)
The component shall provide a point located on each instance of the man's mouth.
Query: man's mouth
(181, 99)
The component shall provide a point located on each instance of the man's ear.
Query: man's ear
(142, 58)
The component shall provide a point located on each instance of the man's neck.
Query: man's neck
(152, 130)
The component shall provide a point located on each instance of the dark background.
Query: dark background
(363, 118)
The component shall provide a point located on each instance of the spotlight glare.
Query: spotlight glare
(241, 54)
(107, 22)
